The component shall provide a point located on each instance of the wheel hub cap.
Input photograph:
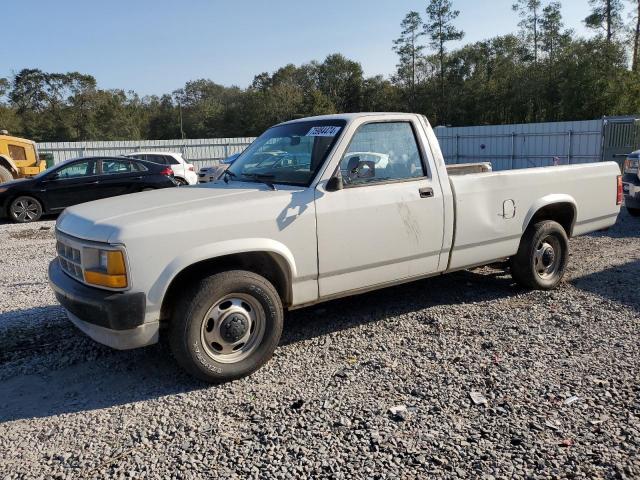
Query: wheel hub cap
(546, 257)
(24, 210)
(234, 327)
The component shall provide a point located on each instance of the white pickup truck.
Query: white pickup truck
(304, 215)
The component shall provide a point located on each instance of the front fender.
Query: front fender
(215, 250)
(550, 200)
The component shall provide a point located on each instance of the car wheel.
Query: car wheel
(634, 212)
(181, 182)
(542, 257)
(25, 209)
(227, 327)
(5, 175)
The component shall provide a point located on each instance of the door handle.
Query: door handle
(426, 192)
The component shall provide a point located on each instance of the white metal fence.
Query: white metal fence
(523, 145)
(505, 146)
(200, 152)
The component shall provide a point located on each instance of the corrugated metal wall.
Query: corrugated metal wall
(523, 145)
(505, 146)
(200, 152)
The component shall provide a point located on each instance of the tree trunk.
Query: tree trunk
(609, 20)
(636, 42)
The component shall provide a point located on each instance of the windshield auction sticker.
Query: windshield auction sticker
(327, 131)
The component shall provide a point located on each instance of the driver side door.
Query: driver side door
(71, 184)
(386, 224)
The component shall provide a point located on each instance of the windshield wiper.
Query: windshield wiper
(228, 174)
(262, 178)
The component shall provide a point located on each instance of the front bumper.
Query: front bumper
(114, 319)
(631, 190)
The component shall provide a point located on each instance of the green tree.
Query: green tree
(409, 51)
(529, 12)
(606, 15)
(440, 30)
(635, 38)
(552, 34)
(341, 79)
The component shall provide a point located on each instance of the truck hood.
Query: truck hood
(181, 209)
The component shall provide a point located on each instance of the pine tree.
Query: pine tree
(410, 51)
(606, 15)
(636, 37)
(440, 30)
(552, 36)
(529, 11)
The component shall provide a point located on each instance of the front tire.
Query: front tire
(227, 326)
(5, 175)
(25, 209)
(542, 257)
(634, 212)
(181, 182)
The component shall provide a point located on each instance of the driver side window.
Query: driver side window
(381, 152)
(79, 169)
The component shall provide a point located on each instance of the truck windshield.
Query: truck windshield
(289, 154)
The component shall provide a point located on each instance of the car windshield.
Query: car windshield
(290, 154)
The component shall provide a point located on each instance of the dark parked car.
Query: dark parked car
(78, 181)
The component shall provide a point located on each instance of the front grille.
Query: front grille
(70, 260)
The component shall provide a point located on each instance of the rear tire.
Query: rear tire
(25, 209)
(5, 175)
(181, 181)
(227, 326)
(542, 257)
(634, 212)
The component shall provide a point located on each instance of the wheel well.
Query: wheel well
(270, 265)
(6, 164)
(564, 213)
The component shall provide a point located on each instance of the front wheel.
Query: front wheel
(542, 257)
(227, 327)
(25, 209)
(634, 212)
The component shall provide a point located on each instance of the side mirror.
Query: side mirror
(334, 184)
(53, 176)
(363, 169)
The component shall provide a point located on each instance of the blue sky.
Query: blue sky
(155, 46)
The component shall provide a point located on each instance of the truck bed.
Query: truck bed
(493, 208)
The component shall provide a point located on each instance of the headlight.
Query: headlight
(110, 270)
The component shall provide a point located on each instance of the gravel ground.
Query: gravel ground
(465, 375)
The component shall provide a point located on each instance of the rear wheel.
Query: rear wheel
(5, 175)
(634, 212)
(181, 181)
(226, 327)
(25, 209)
(542, 257)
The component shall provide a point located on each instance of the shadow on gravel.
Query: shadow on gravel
(452, 289)
(74, 374)
(99, 377)
(613, 284)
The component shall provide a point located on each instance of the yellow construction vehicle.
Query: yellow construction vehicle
(18, 158)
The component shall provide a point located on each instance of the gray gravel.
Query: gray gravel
(465, 375)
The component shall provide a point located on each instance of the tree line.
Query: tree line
(542, 72)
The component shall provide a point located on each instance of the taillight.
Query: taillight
(166, 172)
(619, 193)
(190, 167)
